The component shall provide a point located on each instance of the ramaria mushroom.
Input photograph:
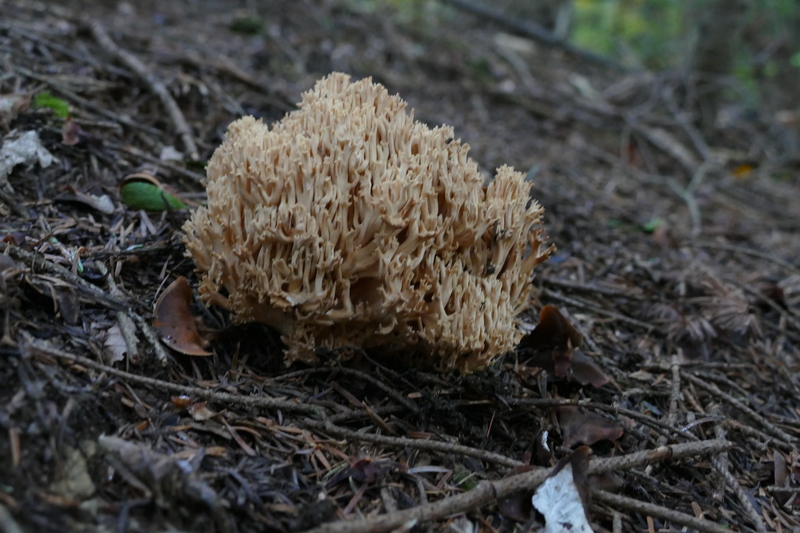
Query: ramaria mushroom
(351, 224)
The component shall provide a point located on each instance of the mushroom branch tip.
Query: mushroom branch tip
(348, 223)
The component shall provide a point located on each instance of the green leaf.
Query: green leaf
(248, 25)
(144, 195)
(59, 106)
(651, 226)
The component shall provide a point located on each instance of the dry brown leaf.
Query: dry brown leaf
(580, 426)
(71, 133)
(174, 320)
(115, 346)
(553, 330)
(585, 370)
(554, 340)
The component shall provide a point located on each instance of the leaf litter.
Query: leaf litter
(256, 441)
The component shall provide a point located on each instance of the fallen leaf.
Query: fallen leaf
(74, 483)
(174, 320)
(585, 370)
(100, 202)
(181, 401)
(553, 330)
(200, 411)
(12, 105)
(115, 346)
(71, 133)
(24, 149)
(743, 171)
(553, 343)
(563, 497)
(580, 426)
(143, 191)
(68, 305)
(169, 153)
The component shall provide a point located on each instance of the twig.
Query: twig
(156, 85)
(636, 506)
(571, 285)
(616, 523)
(7, 522)
(758, 435)
(721, 461)
(124, 320)
(598, 310)
(84, 287)
(711, 388)
(489, 491)
(206, 394)
(156, 161)
(647, 420)
(84, 103)
(674, 395)
(419, 444)
(744, 499)
(392, 393)
(152, 337)
(744, 250)
(663, 140)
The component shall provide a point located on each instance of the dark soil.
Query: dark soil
(678, 260)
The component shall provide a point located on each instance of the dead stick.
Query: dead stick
(419, 444)
(156, 85)
(489, 491)
(85, 288)
(765, 424)
(636, 506)
(223, 397)
(741, 495)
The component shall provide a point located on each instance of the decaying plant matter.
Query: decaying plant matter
(349, 223)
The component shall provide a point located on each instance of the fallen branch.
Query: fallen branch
(489, 491)
(676, 517)
(83, 287)
(249, 402)
(419, 444)
(158, 87)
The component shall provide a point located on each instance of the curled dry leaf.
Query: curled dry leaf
(553, 330)
(586, 371)
(115, 347)
(71, 132)
(100, 202)
(580, 426)
(174, 320)
(554, 342)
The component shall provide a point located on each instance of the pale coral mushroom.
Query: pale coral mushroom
(351, 224)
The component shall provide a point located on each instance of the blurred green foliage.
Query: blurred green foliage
(60, 107)
(651, 34)
(639, 32)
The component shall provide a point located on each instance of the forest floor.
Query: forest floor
(678, 260)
